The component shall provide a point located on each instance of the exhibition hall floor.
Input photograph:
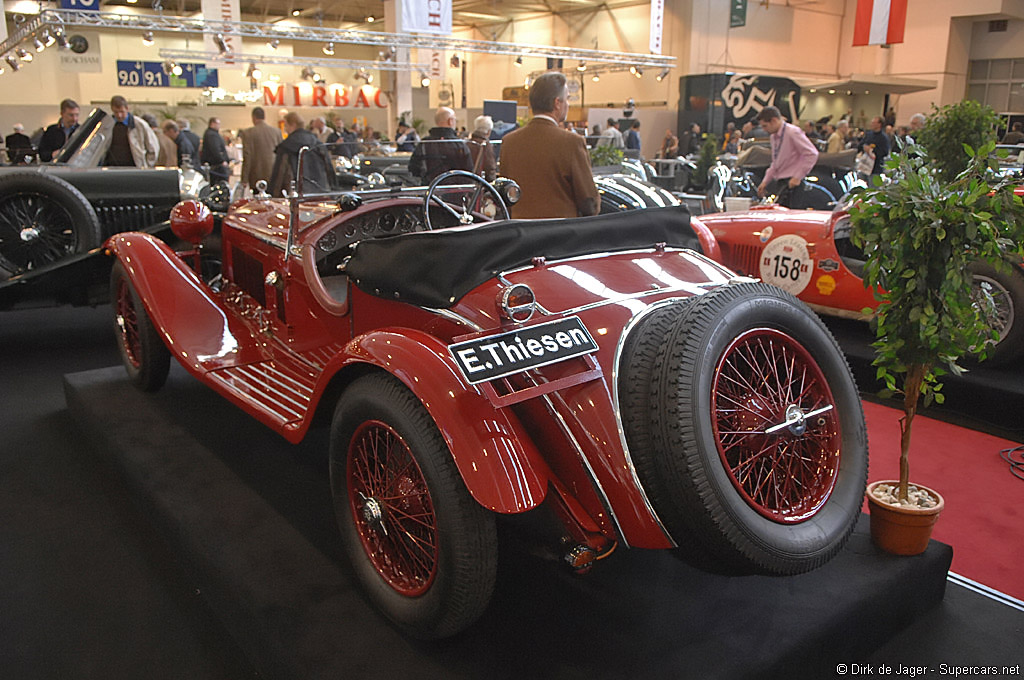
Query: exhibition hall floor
(90, 588)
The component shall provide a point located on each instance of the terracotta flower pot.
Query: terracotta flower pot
(899, 530)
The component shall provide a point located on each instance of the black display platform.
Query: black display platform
(250, 517)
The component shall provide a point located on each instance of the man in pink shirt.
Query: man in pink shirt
(793, 156)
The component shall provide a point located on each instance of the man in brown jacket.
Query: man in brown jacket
(258, 144)
(551, 165)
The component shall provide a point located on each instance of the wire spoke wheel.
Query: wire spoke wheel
(127, 323)
(392, 509)
(763, 379)
(35, 230)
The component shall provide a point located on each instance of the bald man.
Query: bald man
(441, 150)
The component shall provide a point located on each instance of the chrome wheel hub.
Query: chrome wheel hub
(30, 233)
(373, 514)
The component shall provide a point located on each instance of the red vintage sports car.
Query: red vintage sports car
(604, 369)
(808, 253)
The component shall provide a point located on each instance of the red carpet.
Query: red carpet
(984, 515)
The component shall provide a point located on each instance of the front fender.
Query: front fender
(176, 300)
(497, 460)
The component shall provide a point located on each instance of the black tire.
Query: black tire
(143, 352)
(1007, 291)
(704, 392)
(42, 219)
(432, 593)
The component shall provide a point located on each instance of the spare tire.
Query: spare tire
(42, 219)
(750, 443)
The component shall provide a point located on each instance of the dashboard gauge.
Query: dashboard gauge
(328, 242)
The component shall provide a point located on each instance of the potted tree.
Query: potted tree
(919, 234)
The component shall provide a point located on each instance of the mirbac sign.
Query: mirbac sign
(335, 96)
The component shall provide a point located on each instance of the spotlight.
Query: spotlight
(424, 79)
(296, 12)
(13, 62)
(370, 19)
(222, 45)
(48, 38)
(273, 44)
(455, 61)
(328, 49)
(253, 73)
(519, 60)
(307, 72)
(23, 54)
(639, 72)
(527, 82)
(62, 40)
(632, 69)
(38, 44)
(171, 68)
(388, 54)
(369, 78)
(147, 38)
(582, 66)
(596, 78)
(132, 2)
(661, 76)
(176, 69)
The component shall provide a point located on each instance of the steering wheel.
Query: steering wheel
(468, 206)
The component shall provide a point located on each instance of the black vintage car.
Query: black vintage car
(55, 217)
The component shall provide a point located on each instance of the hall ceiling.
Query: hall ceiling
(487, 15)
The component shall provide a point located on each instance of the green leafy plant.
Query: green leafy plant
(919, 235)
(949, 128)
(605, 155)
(708, 154)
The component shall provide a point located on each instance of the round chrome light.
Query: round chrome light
(517, 303)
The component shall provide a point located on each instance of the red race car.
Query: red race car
(602, 369)
(808, 253)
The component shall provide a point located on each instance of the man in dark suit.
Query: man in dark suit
(441, 150)
(19, 146)
(215, 152)
(56, 136)
(551, 165)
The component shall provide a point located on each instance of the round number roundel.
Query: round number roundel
(786, 263)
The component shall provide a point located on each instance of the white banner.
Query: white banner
(83, 53)
(221, 10)
(657, 23)
(426, 16)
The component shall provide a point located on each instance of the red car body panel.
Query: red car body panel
(274, 342)
(794, 250)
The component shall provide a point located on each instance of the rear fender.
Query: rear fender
(177, 302)
(498, 461)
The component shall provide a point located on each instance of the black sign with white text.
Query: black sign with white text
(496, 356)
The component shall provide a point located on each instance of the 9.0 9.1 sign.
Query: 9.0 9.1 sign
(151, 74)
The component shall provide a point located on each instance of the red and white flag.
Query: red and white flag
(879, 22)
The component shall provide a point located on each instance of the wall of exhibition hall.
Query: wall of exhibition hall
(809, 42)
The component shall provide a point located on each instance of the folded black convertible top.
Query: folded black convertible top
(436, 268)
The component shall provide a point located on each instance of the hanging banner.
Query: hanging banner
(657, 24)
(221, 10)
(737, 13)
(879, 22)
(426, 16)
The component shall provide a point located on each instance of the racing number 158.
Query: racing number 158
(787, 267)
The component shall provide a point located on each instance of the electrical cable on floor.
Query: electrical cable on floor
(1015, 457)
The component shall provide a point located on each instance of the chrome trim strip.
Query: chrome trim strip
(586, 463)
(457, 318)
(594, 256)
(982, 589)
(695, 289)
(616, 363)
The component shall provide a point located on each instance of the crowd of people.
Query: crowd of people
(548, 157)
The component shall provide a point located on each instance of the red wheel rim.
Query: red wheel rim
(761, 378)
(391, 506)
(128, 323)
